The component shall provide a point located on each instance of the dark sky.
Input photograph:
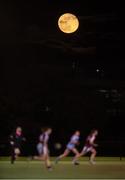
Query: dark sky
(65, 81)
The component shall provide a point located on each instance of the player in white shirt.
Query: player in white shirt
(71, 147)
(89, 147)
(42, 147)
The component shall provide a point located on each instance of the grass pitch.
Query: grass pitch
(105, 168)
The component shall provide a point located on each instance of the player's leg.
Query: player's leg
(66, 153)
(78, 155)
(47, 162)
(92, 157)
(75, 151)
(12, 155)
(47, 158)
(39, 148)
(17, 152)
(40, 157)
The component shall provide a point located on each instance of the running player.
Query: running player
(71, 147)
(42, 147)
(16, 140)
(89, 147)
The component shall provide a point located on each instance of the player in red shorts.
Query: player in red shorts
(89, 147)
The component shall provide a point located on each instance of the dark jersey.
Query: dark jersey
(44, 138)
(16, 140)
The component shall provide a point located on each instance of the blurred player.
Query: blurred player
(71, 147)
(16, 140)
(42, 147)
(89, 147)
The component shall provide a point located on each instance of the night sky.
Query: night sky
(66, 81)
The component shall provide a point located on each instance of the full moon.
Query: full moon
(68, 23)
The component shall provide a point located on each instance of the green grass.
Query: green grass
(105, 168)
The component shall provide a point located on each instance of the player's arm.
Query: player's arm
(74, 141)
(95, 145)
(23, 139)
(11, 140)
(91, 141)
(77, 143)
